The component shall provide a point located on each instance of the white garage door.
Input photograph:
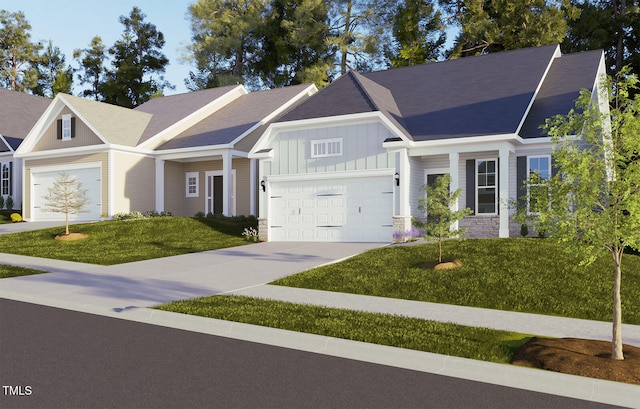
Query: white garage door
(90, 178)
(350, 210)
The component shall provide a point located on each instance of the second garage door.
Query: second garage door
(42, 181)
(349, 210)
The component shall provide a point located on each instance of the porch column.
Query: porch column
(404, 171)
(454, 174)
(160, 185)
(252, 187)
(227, 183)
(503, 194)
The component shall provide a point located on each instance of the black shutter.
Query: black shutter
(10, 179)
(73, 127)
(59, 128)
(471, 185)
(521, 177)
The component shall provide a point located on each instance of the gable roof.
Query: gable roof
(171, 109)
(560, 89)
(237, 118)
(18, 114)
(493, 94)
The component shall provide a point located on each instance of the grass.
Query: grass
(5, 216)
(524, 275)
(7, 271)
(115, 242)
(411, 333)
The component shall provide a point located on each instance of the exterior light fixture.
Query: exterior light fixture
(264, 186)
(397, 178)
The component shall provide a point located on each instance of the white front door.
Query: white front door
(213, 192)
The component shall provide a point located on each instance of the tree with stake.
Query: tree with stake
(66, 196)
(438, 205)
(592, 204)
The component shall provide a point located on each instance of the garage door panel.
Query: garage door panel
(91, 183)
(342, 209)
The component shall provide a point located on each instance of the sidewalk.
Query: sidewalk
(125, 291)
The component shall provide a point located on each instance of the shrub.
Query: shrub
(250, 234)
(524, 230)
(9, 203)
(16, 218)
(1, 202)
(200, 215)
(135, 215)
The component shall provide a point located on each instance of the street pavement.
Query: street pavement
(126, 291)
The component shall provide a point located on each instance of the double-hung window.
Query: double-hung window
(5, 179)
(66, 127)
(192, 184)
(326, 147)
(487, 186)
(539, 171)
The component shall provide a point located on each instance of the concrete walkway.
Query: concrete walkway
(124, 291)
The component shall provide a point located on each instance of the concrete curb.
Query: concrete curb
(571, 386)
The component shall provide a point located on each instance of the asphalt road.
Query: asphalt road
(54, 358)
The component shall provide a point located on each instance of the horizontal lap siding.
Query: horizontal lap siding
(83, 136)
(36, 163)
(174, 189)
(134, 183)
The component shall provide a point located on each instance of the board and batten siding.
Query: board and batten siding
(361, 146)
(134, 183)
(30, 164)
(83, 136)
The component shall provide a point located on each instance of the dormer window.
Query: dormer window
(66, 127)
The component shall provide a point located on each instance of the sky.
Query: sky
(71, 24)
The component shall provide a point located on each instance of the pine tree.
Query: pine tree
(17, 53)
(53, 75)
(92, 70)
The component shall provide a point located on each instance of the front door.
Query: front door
(214, 196)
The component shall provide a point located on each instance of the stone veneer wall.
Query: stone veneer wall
(482, 227)
(263, 229)
(401, 225)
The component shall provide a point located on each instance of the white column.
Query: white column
(226, 183)
(252, 187)
(404, 171)
(503, 194)
(160, 185)
(454, 174)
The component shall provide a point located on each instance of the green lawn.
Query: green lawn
(411, 333)
(115, 242)
(525, 275)
(7, 271)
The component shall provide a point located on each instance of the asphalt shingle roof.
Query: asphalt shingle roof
(18, 114)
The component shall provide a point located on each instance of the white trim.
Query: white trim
(463, 145)
(323, 145)
(330, 175)
(187, 185)
(528, 170)
(252, 186)
(159, 184)
(111, 184)
(65, 167)
(66, 120)
(233, 190)
(64, 152)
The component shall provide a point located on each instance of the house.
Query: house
(183, 153)
(350, 163)
(18, 114)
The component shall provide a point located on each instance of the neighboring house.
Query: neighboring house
(350, 163)
(182, 153)
(18, 113)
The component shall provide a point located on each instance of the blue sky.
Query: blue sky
(71, 24)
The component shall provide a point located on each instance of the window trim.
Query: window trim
(196, 176)
(495, 187)
(325, 143)
(548, 157)
(5, 166)
(66, 126)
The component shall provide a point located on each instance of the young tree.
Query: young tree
(136, 56)
(438, 205)
(66, 196)
(92, 68)
(53, 75)
(592, 204)
(17, 52)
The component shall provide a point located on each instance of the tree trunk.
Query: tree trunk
(616, 341)
(439, 250)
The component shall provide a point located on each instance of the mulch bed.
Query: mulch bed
(581, 357)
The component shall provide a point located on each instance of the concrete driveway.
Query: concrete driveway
(151, 282)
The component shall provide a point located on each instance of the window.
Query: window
(325, 148)
(192, 183)
(539, 171)
(66, 127)
(5, 179)
(486, 187)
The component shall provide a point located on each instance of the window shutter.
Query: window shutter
(471, 184)
(73, 126)
(521, 177)
(10, 178)
(59, 128)
(554, 170)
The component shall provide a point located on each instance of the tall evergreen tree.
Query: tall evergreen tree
(136, 56)
(294, 47)
(54, 75)
(92, 69)
(498, 25)
(17, 52)
(418, 34)
(224, 34)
